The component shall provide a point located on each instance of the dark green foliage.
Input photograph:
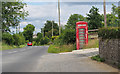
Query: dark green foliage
(67, 37)
(94, 18)
(54, 37)
(28, 32)
(48, 29)
(12, 13)
(19, 39)
(39, 37)
(109, 33)
(98, 58)
(71, 23)
(8, 38)
(44, 40)
(112, 20)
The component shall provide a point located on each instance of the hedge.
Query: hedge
(109, 33)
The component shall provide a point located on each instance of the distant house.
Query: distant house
(35, 36)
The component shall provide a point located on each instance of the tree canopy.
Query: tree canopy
(94, 18)
(71, 23)
(48, 28)
(28, 32)
(12, 13)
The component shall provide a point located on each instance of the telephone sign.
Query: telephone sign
(81, 34)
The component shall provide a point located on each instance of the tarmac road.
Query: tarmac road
(36, 59)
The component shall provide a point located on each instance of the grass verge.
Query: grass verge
(92, 43)
(7, 47)
(97, 58)
(61, 48)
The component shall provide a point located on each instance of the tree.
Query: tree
(19, 39)
(49, 33)
(39, 37)
(119, 15)
(48, 28)
(115, 14)
(8, 38)
(28, 32)
(12, 13)
(71, 23)
(94, 18)
(112, 20)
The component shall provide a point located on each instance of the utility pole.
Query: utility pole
(105, 14)
(16, 29)
(59, 16)
(52, 28)
(43, 31)
(19, 28)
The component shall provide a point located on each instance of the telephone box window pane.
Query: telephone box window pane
(81, 37)
(81, 29)
(81, 34)
(82, 40)
(81, 43)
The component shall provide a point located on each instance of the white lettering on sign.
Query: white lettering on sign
(82, 25)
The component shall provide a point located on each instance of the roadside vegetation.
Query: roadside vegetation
(60, 48)
(93, 41)
(6, 46)
(98, 58)
(68, 34)
(112, 31)
(49, 35)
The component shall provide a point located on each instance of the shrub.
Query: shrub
(58, 41)
(98, 58)
(67, 37)
(8, 38)
(19, 39)
(27, 41)
(34, 43)
(39, 37)
(54, 37)
(109, 33)
(44, 40)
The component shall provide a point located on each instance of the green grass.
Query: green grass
(98, 58)
(92, 43)
(59, 49)
(4, 46)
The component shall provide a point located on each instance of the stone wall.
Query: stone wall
(109, 49)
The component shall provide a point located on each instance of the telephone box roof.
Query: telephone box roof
(81, 22)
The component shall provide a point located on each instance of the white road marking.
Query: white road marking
(13, 52)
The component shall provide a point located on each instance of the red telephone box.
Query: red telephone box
(81, 34)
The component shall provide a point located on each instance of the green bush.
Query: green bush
(44, 40)
(67, 37)
(39, 37)
(19, 39)
(98, 58)
(34, 43)
(8, 38)
(54, 37)
(109, 33)
(27, 41)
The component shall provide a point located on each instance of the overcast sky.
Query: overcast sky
(40, 11)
